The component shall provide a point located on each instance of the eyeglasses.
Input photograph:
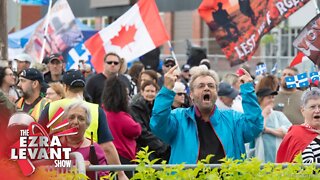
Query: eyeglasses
(313, 107)
(203, 85)
(169, 65)
(180, 94)
(112, 62)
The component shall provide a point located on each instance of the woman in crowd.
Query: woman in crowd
(270, 81)
(147, 75)
(123, 128)
(79, 116)
(7, 84)
(276, 125)
(133, 75)
(304, 138)
(181, 96)
(140, 110)
(55, 91)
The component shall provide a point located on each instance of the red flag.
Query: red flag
(62, 124)
(67, 132)
(297, 59)
(135, 33)
(55, 117)
(308, 41)
(239, 25)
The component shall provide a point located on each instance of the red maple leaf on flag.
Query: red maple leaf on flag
(125, 36)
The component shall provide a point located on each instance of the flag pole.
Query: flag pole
(173, 55)
(316, 6)
(44, 42)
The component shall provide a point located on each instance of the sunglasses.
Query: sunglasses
(169, 65)
(112, 62)
(180, 94)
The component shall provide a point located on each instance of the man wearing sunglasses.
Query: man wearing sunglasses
(113, 65)
(168, 63)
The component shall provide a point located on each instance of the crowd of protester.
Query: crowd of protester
(181, 115)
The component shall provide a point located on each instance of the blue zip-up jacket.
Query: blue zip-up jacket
(179, 128)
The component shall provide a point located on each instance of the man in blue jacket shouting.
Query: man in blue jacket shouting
(203, 129)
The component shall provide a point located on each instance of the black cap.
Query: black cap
(168, 60)
(34, 75)
(74, 78)
(55, 56)
(266, 92)
(45, 60)
(226, 89)
(185, 67)
(205, 62)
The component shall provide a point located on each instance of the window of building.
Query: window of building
(89, 21)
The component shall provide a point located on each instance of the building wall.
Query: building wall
(182, 30)
(30, 15)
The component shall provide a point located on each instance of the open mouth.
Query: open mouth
(206, 97)
(316, 117)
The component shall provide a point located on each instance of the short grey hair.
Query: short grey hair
(82, 105)
(313, 93)
(230, 78)
(210, 73)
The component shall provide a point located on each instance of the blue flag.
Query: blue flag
(33, 2)
(314, 76)
(261, 69)
(76, 54)
(300, 80)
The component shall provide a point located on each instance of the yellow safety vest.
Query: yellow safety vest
(35, 112)
(94, 109)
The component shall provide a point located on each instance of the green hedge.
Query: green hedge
(230, 169)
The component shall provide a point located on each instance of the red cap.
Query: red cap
(240, 72)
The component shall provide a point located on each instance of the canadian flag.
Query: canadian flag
(135, 33)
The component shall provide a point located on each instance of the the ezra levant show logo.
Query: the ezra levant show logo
(36, 146)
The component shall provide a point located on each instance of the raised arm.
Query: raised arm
(162, 123)
(251, 122)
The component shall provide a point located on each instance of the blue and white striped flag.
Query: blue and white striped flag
(261, 69)
(314, 76)
(300, 80)
(33, 2)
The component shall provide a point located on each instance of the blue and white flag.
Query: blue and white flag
(314, 76)
(261, 69)
(76, 54)
(274, 69)
(300, 80)
(33, 2)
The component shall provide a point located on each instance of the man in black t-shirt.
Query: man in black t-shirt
(113, 65)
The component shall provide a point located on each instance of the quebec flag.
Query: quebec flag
(261, 69)
(314, 76)
(300, 80)
(80, 52)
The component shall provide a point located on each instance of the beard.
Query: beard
(284, 86)
(27, 94)
(205, 108)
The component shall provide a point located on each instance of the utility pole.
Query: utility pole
(3, 33)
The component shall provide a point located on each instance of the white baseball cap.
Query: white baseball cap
(24, 57)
